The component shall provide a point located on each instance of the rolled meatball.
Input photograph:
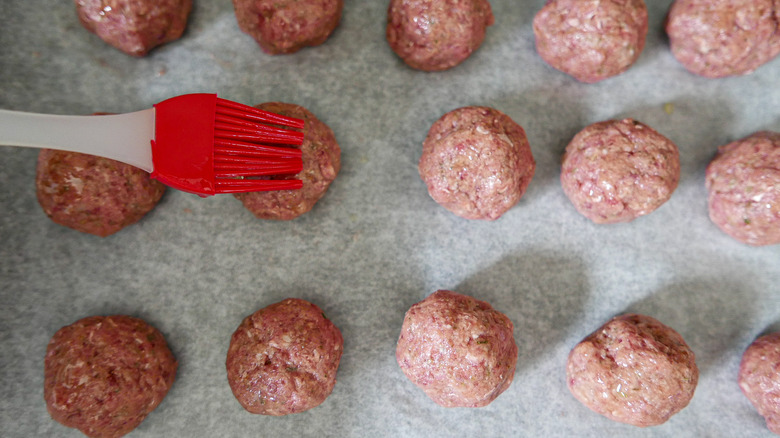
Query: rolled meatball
(434, 35)
(135, 26)
(633, 370)
(104, 375)
(725, 37)
(92, 194)
(591, 40)
(618, 170)
(743, 182)
(476, 162)
(286, 26)
(759, 378)
(283, 359)
(457, 349)
(321, 164)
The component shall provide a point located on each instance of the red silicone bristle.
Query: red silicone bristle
(247, 112)
(259, 135)
(232, 160)
(233, 117)
(226, 170)
(256, 185)
(252, 130)
(265, 171)
(245, 149)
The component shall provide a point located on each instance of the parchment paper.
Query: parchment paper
(377, 243)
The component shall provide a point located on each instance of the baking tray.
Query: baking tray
(377, 243)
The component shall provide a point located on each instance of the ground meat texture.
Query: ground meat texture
(135, 26)
(286, 26)
(476, 162)
(633, 370)
(743, 181)
(321, 164)
(725, 37)
(283, 359)
(92, 194)
(104, 375)
(591, 40)
(759, 378)
(457, 349)
(434, 35)
(618, 170)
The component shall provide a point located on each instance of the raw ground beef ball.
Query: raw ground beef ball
(434, 35)
(104, 375)
(286, 26)
(591, 40)
(725, 37)
(633, 370)
(321, 164)
(759, 378)
(135, 26)
(93, 194)
(743, 182)
(283, 359)
(476, 162)
(457, 349)
(618, 170)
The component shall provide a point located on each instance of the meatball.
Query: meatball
(476, 162)
(724, 38)
(743, 181)
(633, 370)
(104, 374)
(283, 359)
(618, 170)
(591, 40)
(92, 194)
(286, 26)
(134, 26)
(321, 164)
(434, 35)
(759, 378)
(457, 349)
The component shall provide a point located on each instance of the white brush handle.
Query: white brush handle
(122, 137)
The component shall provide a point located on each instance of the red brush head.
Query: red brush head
(207, 145)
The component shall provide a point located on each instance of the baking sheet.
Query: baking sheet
(377, 243)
